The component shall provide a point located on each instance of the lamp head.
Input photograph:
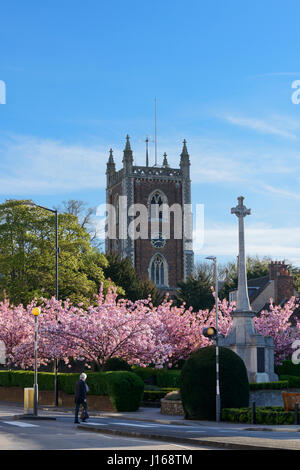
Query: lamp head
(36, 311)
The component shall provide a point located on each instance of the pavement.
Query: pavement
(177, 429)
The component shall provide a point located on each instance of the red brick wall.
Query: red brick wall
(173, 249)
(284, 284)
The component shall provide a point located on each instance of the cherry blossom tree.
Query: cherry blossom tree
(112, 328)
(138, 332)
(16, 326)
(276, 323)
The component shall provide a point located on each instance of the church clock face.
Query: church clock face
(158, 241)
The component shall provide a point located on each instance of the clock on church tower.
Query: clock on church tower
(165, 253)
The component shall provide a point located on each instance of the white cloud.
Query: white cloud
(261, 240)
(31, 165)
(282, 192)
(272, 126)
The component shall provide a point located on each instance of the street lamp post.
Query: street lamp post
(54, 211)
(35, 311)
(218, 399)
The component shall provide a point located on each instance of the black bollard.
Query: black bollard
(253, 413)
(296, 418)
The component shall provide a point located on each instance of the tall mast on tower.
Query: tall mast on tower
(155, 138)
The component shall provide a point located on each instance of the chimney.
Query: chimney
(283, 281)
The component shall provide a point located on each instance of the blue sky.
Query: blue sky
(81, 75)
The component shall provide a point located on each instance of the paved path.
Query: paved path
(62, 434)
(149, 423)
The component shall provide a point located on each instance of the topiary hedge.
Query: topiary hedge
(125, 390)
(264, 415)
(198, 382)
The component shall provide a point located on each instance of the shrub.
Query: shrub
(288, 368)
(125, 390)
(293, 381)
(236, 415)
(152, 393)
(116, 363)
(198, 382)
(175, 395)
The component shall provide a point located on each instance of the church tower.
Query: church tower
(150, 217)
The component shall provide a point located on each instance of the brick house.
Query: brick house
(278, 285)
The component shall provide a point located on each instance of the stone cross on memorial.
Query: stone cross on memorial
(257, 351)
(243, 304)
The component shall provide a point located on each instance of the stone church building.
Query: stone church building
(162, 195)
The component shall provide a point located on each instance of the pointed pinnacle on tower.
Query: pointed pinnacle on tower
(184, 152)
(111, 157)
(165, 162)
(111, 167)
(127, 146)
(184, 156)
(127, 154)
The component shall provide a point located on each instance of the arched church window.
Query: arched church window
(158, 271)
(155, 204)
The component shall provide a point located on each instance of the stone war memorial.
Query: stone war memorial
(257, 351)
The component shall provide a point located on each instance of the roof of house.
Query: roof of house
(256, 286)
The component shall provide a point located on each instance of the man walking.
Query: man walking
(80, 397)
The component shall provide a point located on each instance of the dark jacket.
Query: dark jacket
(80, 391)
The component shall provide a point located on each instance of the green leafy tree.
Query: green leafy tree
(121, 272)
(295, 272)
(256, 267)
(27, 255)
(196, 291)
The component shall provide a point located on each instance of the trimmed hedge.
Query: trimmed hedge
(264, 415)
(156, 395)
(280, 385)
(25, 379)
(288, 368)
(125, 389)
(161, 377)
(293, 380)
